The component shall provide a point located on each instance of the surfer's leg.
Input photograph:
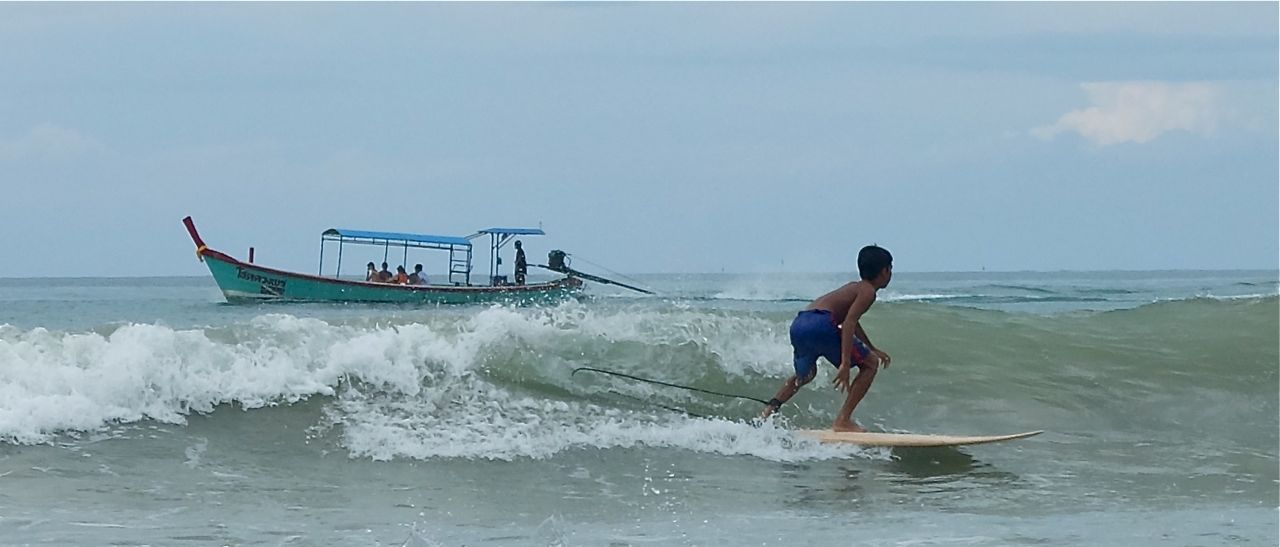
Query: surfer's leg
(857, 390)
(787, 391)
(804, 360)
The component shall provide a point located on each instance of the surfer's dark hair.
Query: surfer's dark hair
(872, 260)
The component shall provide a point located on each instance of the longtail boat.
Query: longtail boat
(248, 282)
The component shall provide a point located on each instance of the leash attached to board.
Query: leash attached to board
(667, 384)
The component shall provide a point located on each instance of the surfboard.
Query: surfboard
(906, 439)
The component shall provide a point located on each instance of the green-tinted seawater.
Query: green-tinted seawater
(145, 411)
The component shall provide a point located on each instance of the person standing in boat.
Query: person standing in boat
(522, 267)
(417, 277)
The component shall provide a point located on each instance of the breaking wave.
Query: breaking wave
(497, 383)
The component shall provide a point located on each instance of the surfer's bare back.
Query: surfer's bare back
(829, 328)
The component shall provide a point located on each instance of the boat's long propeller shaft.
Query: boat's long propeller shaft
(556, 262)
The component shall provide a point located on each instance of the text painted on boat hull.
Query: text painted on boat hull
(270, 285)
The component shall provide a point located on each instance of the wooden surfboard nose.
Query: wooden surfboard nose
(906, 439)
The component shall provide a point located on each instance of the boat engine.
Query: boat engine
(556, 261)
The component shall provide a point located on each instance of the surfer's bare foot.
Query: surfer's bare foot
(849, 426)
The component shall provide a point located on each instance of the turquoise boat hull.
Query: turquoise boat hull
(244, 282)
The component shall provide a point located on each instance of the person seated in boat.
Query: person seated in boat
(417, 277)
(384, 275)
(402, 278)
(372, 275)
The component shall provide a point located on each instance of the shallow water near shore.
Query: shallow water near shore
(146, 411)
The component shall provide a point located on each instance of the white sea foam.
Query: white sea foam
(742, 342)
(493, 424)
(448, 386)
(914, 297)
(1254, 296)
(51, 381)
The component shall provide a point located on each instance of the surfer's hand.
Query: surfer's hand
(842, 377)
(884, 358)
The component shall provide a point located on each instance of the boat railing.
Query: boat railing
(459, 248)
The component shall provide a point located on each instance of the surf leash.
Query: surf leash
(659, 405)
(661, 383)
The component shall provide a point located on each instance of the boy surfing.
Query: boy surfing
(829, 328)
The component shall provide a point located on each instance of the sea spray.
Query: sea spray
(496, 382)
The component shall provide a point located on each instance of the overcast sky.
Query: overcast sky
(644, 137)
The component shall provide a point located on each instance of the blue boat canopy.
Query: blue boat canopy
(459, 248)
(509, 232)
(498, 237)
(345, 233)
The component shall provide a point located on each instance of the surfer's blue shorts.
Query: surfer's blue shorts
(814, 334)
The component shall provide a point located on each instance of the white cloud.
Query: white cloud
(46, 141)
(1140, 112)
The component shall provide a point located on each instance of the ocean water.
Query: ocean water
(147, 411)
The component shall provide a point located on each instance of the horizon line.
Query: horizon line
(1155, 270)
